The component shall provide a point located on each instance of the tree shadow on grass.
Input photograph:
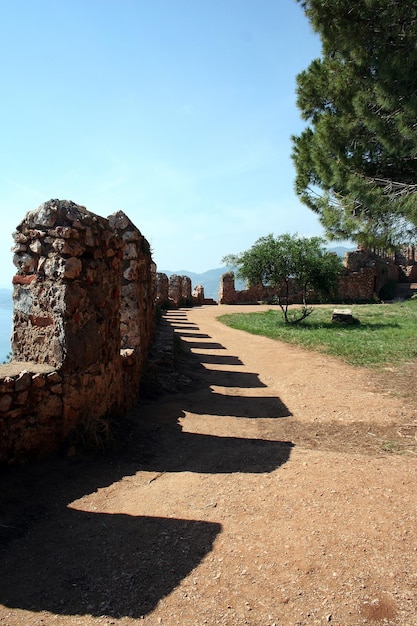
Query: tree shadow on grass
(334, 326)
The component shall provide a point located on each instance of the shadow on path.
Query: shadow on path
(178, 450)
(102, 564)
(72, 562)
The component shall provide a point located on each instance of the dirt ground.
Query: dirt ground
(268, 485)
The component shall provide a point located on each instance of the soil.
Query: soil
(255, 483)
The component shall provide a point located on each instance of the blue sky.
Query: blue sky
(178, 112)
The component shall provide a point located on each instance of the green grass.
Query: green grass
(386, 335)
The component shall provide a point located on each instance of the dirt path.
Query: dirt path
(263, 493)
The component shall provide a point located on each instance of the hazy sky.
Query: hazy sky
(178, 112)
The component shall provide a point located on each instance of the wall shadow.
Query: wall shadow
(185, 326)
(203, 453)
(237, 403)
(232, 378)
(193, 334)
(205, 345)
(72, 562)
(219, 359)
(249, 407)
(100, 564)
(171, 449)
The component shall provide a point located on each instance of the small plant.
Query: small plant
(92, 433)
(9, 357)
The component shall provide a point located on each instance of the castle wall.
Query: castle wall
(175, 289)
(365, 275)
(162, 289)
(84, 310)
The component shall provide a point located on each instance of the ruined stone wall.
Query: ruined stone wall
(366, 274)
(31, 402)
(256, 293)
(186, 290)
(174, 291)
(227, 291)
(198, 295)
(357, 286)
(137, 286)
(67, 290)
(83, 309)
(162, 289)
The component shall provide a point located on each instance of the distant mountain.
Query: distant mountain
(210, 280)
(341, 250)
(6, 298)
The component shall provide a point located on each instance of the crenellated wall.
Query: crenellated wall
(198, 295)
(83, 322)
(137, 285)
(365, 275)
(174, 291)
(162, 289)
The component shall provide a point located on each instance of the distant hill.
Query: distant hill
(341, 250)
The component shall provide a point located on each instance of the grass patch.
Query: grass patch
(386, 335)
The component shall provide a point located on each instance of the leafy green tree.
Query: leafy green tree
(356, 161)
(280, 262)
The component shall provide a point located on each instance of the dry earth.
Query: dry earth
(271, 486)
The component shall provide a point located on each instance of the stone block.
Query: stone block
(5, 402)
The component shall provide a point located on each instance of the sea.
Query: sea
(6, 315)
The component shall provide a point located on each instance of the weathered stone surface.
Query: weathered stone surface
(162, 288)
(186, 289)
(25, 262)
(36, 247)
(54, 378)
(38, 381)
(5, 402)
(344, 316)
(6, 384)
(22, 398)
(23, 381)
(175, 289)
(73, 268)
(227, 292)
(81, 279)
(198, 294)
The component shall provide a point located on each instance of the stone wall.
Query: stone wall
(253, 294)
(365, 275)
(198, 295)
(174, 291)
(162, 289)
(186, 290)
(179, 290)
(137, 286)
(83, 322)
(227, 291)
